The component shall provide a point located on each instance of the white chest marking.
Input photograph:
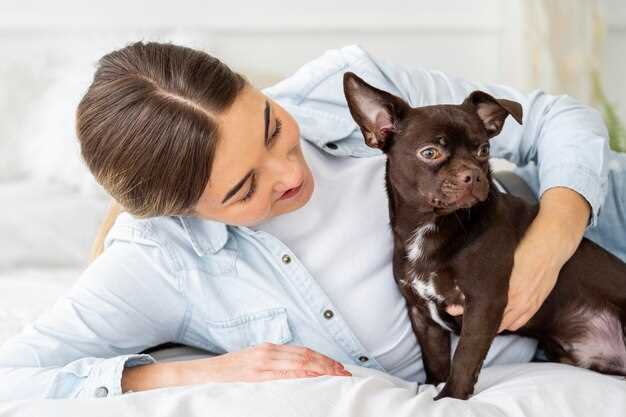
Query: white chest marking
(434, 314)
(425, 288)
(415, 243)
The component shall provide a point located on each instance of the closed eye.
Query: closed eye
(252, 189)
(279, 126)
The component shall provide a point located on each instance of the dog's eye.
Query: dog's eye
(483, 150)
(430, 153)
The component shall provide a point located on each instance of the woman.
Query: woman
(256, 226)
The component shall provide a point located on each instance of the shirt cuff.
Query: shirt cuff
(579, 178)
(105, 378)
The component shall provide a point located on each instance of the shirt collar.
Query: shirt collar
(319, 126)
(206, 236)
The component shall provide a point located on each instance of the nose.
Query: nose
(288, 174)
(468, 176)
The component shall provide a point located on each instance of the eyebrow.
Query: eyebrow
(242, 181)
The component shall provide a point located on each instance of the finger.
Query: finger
(300, 365)
(517, 318)
(284, 374)
(311, 354)
(313, 360)
(522, 320)
(507, 319)
(454, 310)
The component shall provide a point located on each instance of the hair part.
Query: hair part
(147, 127)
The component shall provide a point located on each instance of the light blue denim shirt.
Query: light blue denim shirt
(222, 288)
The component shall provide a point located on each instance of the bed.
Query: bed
(529, 390)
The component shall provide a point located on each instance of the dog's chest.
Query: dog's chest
(437, 288)
(435, 293)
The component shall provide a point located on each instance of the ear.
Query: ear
(493, 111)
(375, 111)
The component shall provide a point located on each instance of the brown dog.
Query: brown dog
(455, 237)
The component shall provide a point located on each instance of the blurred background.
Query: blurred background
(51, 207)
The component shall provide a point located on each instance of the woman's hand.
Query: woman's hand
(550, 240)
(263, 362)
(536, 265)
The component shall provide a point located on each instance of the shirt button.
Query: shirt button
(331, 145)
(286, 258)
(363, 359)
(101, 392)
(328, 314)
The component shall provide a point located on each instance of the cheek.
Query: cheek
(250, 214)
(429, 183)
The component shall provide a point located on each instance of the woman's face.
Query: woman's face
(257, 160)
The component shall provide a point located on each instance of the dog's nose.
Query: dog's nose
(468, 176)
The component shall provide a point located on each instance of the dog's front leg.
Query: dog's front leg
(481, 320)
(435, 345)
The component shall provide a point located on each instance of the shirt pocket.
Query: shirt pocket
(249, 329)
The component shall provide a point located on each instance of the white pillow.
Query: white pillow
(22, 79)
(51, 151)
(47, 225)
(44, 84)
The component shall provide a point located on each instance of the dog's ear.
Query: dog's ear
(377, 112)
(493, 111)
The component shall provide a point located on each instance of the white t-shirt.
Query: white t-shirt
(343, 236)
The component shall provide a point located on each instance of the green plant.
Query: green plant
(617, 132)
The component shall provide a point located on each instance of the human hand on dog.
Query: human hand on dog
(550, 240)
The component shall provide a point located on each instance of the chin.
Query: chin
(467, 203)
(453, 206)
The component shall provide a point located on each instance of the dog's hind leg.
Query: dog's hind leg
(599, 343)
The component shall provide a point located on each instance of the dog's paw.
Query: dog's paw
(448, 392)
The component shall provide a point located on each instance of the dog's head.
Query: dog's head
(438, 155)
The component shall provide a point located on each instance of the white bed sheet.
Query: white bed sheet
(530, 390)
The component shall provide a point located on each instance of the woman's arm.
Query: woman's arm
(567, 140)
(127, 300)
(548, 243)
(82, 345)
(263, 362)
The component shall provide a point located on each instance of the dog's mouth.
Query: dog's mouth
(451, 198)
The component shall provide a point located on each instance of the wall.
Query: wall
(478, 40)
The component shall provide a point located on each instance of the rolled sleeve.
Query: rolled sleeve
(570, 146)
(579, 178)
(105, 377)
